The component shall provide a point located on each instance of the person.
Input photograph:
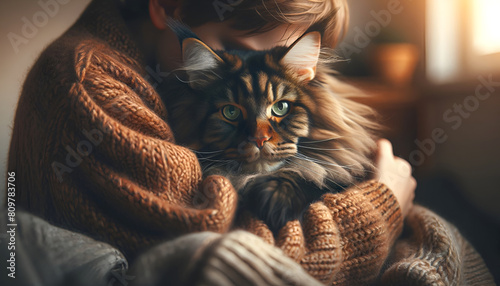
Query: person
(93, 154)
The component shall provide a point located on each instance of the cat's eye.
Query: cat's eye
(280, 108)
(231, 112)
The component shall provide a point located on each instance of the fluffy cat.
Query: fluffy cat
(276, 123)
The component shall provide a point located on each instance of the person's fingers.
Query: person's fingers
(318, 222)
(291, 240)
(403, 167)
(322, 241)
(413, 185)
(256, 226)
(384, 149)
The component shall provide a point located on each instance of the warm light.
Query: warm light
(442, 40)
(486, 26)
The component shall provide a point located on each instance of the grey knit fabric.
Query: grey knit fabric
(235, 258)
(49, 255)
(433, 252)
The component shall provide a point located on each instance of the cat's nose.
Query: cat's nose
(259, 141)
(262, 133)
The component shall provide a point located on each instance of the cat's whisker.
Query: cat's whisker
(207, 157)
(182, 80)
(226, 164)
(232, 155)
(213, 160)
(314, 160)
(332, 181)
(323, 149)
(319, 161)
(320, 141)
(308, 168)
(326, 178)
(207, 166)
(215, 164)
(192, 81)
(207, 152)
(202, 152)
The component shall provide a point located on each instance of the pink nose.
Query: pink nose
(259, 141)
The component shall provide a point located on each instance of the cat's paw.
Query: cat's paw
(275, 200)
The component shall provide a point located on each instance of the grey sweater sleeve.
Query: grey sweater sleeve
(49, 255)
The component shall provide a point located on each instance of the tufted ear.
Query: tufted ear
(200, 62)
(302, 56)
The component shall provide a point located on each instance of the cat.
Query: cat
(276, 123)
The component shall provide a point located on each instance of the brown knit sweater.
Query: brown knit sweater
(93, 152)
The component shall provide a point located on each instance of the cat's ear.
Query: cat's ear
(303, 55)
(200, 62)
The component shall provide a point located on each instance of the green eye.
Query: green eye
(231, 112)
(280, 108)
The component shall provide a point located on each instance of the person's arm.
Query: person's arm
(93, 152)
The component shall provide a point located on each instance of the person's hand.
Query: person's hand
(395, 173)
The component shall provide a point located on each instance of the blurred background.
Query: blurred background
(432, 71)
(430, 68)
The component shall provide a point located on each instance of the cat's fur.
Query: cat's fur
(278, 164)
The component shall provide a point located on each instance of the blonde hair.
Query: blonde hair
(329, 17)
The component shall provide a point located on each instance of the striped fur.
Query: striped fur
(323, 144)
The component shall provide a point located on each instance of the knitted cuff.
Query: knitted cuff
(369, 220)
(385, 203)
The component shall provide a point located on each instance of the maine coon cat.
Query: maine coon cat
(275, 122)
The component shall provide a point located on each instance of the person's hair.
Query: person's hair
(329, 17)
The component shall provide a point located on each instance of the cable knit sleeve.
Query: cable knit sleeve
(343, 239)
(369, 220)
(104, 160)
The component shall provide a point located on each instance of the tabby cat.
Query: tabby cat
(276, 123)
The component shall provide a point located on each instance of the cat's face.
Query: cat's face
(251, 106)
(256, 121)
